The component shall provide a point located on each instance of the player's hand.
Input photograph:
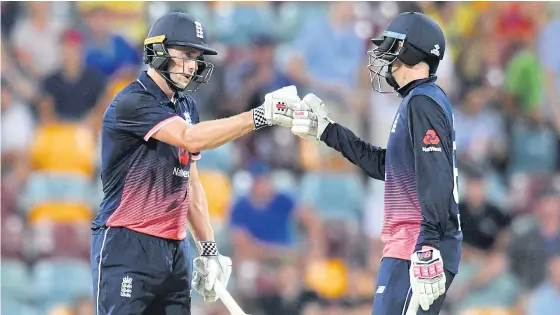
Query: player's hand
(277, 108)
(427, 276)
(311, 118)
(209, 267)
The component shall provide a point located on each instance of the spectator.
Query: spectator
(524, 80)
(249, 83)
(290, 297)
(482, 223)
(10, 14)
(262, 222)
(75, 88)
(17, 134)
(531, 248)
(258, 75)
(327, 61)
(106, 51)
(549, 44)
(484, 279)
(545, 300)
(534, 146)
(34, 39)
(480, 133)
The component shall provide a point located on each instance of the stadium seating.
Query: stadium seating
(217, 159)
(489, 311)
(10, 307)
(239, 22)
(333, 195)
(218, 189)
(60, 281)
(60, 212)
(49, 187)
(327, 278)
(12, 236)
(285, 182)
(65, 240)
(15, 281)
(64, 148)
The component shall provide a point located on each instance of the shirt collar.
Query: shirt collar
(151, 87)
(403, 92)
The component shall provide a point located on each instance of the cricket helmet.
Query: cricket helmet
(411, 37)
(183, 30)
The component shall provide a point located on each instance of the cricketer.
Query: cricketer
(151, 138)
(421, 228)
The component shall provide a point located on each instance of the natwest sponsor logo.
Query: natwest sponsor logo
(181, 172)
(431, 149)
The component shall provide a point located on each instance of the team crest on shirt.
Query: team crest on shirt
(184, 156)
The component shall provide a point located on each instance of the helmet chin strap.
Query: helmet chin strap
(172, 85)
(390, 78)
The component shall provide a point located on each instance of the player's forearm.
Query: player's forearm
(214, 133)
(198, 216)
(368, 157)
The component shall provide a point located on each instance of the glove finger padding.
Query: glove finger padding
(320, 110)
(427, 276)
(226, 266)
(304, 125)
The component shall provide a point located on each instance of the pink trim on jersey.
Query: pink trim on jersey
(148, 216)
(159, 126)
(196, 157)
(402, 215)
(153, 202)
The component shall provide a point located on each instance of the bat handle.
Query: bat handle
(227, 299)
(413, 305)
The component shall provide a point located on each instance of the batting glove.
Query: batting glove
(209, 267)
(310, 118)
(277, 108)
(427, 276)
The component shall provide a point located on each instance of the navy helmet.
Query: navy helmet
(411, 37)
(183, 30)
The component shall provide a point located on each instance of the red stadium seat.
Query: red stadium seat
(12, 241)
(61, 240)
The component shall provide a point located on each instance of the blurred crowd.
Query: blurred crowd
(301, 224)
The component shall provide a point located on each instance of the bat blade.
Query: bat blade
(227, 299)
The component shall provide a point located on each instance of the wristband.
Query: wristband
(208, 248)
(259, 119)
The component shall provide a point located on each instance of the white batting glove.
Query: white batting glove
(427, 276)
(310, 118)
(277, 108)
(209, 267)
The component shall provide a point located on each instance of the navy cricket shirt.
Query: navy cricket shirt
(419, 170)
(145, 181)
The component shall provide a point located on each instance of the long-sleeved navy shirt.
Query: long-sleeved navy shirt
(418, 167)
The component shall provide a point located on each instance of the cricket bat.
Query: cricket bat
(413, 305)
(228, 300)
